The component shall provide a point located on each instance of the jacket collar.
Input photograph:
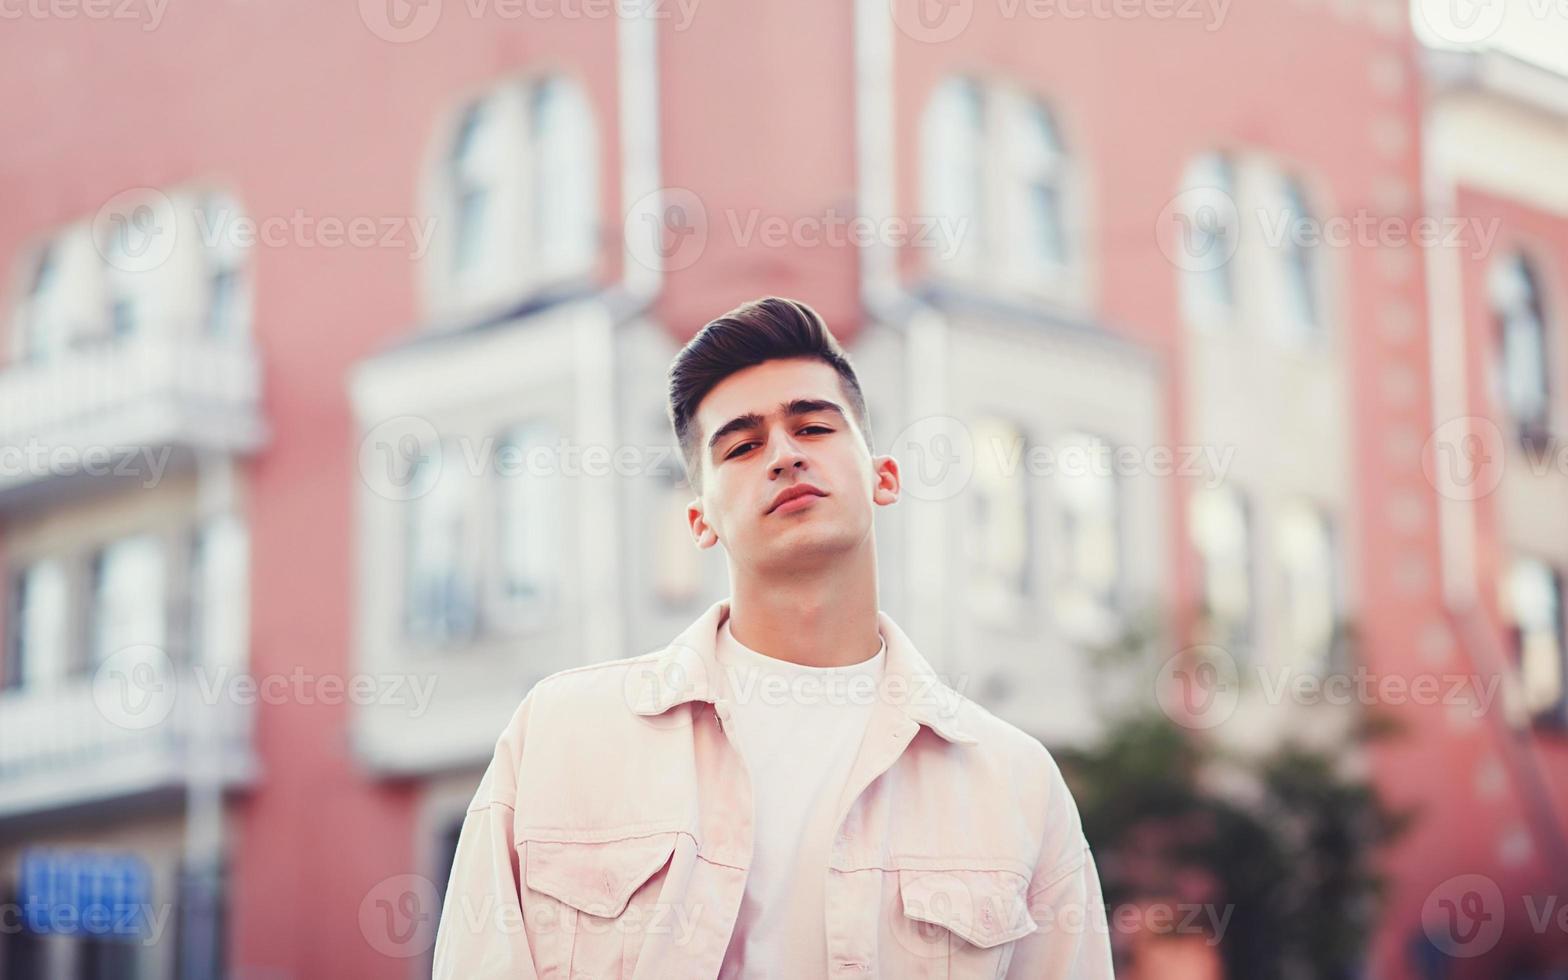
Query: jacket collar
(688, 670)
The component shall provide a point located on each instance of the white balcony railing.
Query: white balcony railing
(94, 410)
(95, 739)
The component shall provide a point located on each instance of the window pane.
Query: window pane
(439, 602)
(227, 310)
(1300, 264)
(38, 657)
(220, 628)
(953, 141)
(1209, 235)
(565, 194)
(1524, 381)
(1000, 510)
(1222, 538)
(678, 563)
(476, 167)
(1037, 182)
(129, 589)
(1305, 547)
(1085, 547)
(1534, 602)
(47, 327)
(529, 488)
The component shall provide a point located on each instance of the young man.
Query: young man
(786, 790)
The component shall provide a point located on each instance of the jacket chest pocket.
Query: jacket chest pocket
(589, 906)
(957, 923)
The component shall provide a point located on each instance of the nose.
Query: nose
(786, 454)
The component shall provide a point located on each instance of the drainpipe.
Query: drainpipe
(884, 299)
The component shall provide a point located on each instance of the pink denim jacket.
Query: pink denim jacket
(611, 835)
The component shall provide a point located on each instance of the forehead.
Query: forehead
(762, 387)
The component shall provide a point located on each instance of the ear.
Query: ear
(885, 489)
(702, 534)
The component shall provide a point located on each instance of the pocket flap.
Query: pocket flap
(984, 908)
(596, 877)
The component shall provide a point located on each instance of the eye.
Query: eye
(818, 428)
(737, 450)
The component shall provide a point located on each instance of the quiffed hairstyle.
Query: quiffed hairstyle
(762, 330)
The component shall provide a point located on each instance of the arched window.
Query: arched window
(1298, 263)
(440, 575)
(952, 151)
(477, 167)
(519, 197)
(565, 192)
(1222, 536)
(1522, 377)
(1208, 237)
(226, 294)
(1037, 188)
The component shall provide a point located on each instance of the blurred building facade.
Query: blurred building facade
(294, 515)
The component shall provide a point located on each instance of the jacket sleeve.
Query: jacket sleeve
(1073, 940)
(481, 931)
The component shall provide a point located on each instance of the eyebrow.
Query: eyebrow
(789, 409)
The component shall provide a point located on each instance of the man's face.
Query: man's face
(785, 425)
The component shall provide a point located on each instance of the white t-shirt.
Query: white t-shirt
(799, 729)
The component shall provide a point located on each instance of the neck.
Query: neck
(827, 618)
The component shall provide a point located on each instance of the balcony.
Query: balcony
(99, 411)
(147, 732)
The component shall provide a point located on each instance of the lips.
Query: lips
(794, 492)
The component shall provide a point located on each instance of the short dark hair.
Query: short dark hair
(764, 329)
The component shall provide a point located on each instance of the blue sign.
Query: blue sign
(86, 893)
